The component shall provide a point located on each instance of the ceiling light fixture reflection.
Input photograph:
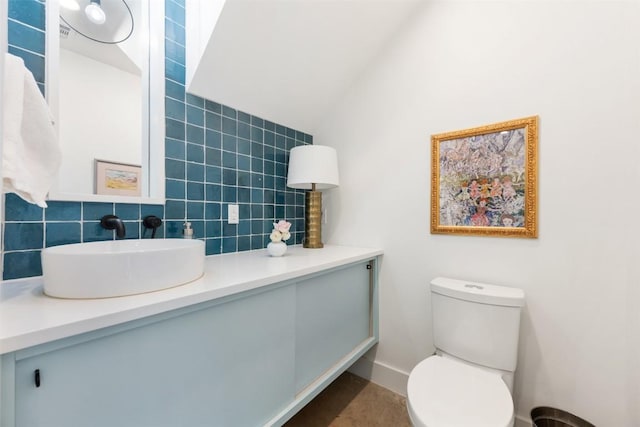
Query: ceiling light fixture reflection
(95, 13)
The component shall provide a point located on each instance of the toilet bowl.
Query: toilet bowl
(445, 392)
(468, 382)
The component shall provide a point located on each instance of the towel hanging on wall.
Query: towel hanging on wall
(30, 150)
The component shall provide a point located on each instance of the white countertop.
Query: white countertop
(28, 317)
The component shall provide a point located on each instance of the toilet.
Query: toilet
(469, 380)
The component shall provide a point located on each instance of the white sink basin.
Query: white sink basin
(117, 268)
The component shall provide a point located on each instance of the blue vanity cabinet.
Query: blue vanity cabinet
(250, 359)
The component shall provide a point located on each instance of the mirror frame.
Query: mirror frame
(153, 131)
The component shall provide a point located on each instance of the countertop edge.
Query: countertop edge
(137, 307)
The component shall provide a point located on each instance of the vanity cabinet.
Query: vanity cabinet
(249, 359)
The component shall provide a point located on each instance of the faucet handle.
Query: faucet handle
(152, 222)
(112, 222)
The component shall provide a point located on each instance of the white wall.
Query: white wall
(457, 65)
(91, 123)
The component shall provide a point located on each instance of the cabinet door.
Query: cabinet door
(227, 365)
(332, 318)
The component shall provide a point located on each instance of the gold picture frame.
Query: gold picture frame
(121, 179)
(484, 180)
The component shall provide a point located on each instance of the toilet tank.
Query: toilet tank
(477, 322)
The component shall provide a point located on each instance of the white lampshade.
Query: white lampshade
(313, 164)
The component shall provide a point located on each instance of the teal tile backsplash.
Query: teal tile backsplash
(215, 155)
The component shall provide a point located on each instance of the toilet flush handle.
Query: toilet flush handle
(469, 285)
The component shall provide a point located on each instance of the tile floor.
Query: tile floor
(351, 401)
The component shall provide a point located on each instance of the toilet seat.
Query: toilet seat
(446, 393)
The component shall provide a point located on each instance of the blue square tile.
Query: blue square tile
(212, 106)
(63, 211)
(269, 181)
(17, 209)
(244, 147)
(213, 139)
(195, 134)
(174, 90)
(21, 236)
(269, 126)
(257, 121)
(280, 213)
(213, 193)
(257, 164)
(173, 229)
(195, 100)
(95, 211)
(258, 242)
(195, 153)
(290, 144)
(244, 117)
(269, 153)
(92, 231)
(229, 229)
(244, 211)
(244, 163)
(256, 226)
(174, 109)
(213, 121)
(174, 168)
(291, 133)
(22, 264)
(132, 229)
(174, 209)
(213, 246)
(198, 229)
(213, 228)
(281, 142)
(195, 210)
(62, 233)
(195, 172)
(157, 210)
(175, 189)
(229, 177)
(244, 130)
(257, 180)
(26, 37)
(195, 116)
(127, 211)
(212, 211)
(195, 191)
(229, 143)
(269, 167)
(30, 12)
(256, 211)
(269, 138)
(229, 195)
(267, 226)
(229, 160)
(269, 213)
(213, 157)
(257, 150)
(257, 196)
(174, 71)
(243, 179)
(228, 112)
(175, 129)
(213, 174)
(174, 149)
(229, 126)
(281, 129)
(244, 243)
(244, 196)
(256, 134)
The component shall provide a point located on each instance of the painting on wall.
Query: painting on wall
(120, 179)
(484, 180)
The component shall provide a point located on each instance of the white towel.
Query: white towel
(30, 150)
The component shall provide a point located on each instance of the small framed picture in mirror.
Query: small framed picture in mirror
(115, 178)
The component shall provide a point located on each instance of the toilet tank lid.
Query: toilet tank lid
(478, 292)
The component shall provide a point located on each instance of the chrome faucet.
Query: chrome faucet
(112, 222)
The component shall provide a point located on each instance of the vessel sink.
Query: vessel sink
(117, 268)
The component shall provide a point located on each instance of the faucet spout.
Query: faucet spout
(112, 222)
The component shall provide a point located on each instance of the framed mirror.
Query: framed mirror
(105, 88)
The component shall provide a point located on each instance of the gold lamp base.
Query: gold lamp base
(313, 223)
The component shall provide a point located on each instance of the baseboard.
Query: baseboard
(522, 421)
(379, 373)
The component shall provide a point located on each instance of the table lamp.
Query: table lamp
(313, 167)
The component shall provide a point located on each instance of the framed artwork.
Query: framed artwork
(484, 180)
(121, 179)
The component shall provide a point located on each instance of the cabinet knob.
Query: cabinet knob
(37, 377)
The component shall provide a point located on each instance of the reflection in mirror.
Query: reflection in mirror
(101, 80)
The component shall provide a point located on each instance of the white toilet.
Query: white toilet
(469, 380)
